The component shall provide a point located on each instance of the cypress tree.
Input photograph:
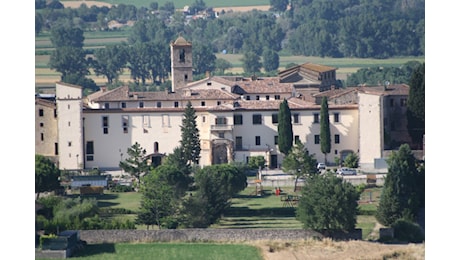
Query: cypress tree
(325, 132)
(285, 134)
(416, 105)
(190, 142)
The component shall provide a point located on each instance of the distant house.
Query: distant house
(89, 180)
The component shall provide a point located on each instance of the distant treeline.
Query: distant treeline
(325, 28)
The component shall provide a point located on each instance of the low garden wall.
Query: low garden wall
(205, 235)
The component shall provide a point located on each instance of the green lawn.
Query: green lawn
(167, 251)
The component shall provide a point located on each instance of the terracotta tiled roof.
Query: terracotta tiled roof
(123, 94)
(44, 102)
(265, 86)
(396, 90)
(317, 67)
(334, 93)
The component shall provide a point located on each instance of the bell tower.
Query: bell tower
(181, 63)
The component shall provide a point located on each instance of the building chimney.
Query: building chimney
(103, 88)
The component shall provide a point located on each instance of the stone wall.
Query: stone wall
(204, 235)
(194, 235)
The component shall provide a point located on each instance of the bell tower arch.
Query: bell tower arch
(181, 63)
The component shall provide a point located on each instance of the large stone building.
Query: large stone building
(237, 118)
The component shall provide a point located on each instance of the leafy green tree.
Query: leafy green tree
(216, 184)
(175, 177)
(69, 60)
(285, 134)
(416, 105)
(177, 159)
(251, 62)
(404, 190)
(351, 160)
(190, 136)
(158, 202)
(299, 163)
(325, 132)
(139, 62)
(110, 61)
(63, 36)
(222, 65)
(271, 60)
(328, 203)
(204, 59)
(46, 175)
(279, 5)
(136, 164)
(256, 162)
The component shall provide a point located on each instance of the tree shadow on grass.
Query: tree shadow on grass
(103, 200)
(264, 212)
(95, 249)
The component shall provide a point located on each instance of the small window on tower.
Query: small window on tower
(182, 55)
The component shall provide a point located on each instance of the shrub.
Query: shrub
(408, 231)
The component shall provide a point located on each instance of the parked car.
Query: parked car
(346, 171)
(321, 166)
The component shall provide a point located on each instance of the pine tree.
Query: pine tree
(325, 132)
(403, 191)
(136, 164)
(190, 142)
(285, 134)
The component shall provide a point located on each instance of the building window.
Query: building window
(315, 118)
(336, 118)
(105, 124)
(89, 150)
(218, 103)
(68, 107)
(257, 140)
(56, 149)
(68, 123)
(277, 97)
(156, 147)
(40, 112)
(316, 139)
(123, 104)
(274, 118)
(257, 97)
(221, 135)
(125, 123)
(41, 124)
(165, 120)
(141, 104)
(176, 104)
(238, 142)
(403, 102)
(145, 121)
(295, 118)
(158, 104)
(203, 103)
(296, 139)
(204, 119)
(257, 119)
(276, 140)
(267, 97)
(221, 120)
(238, 119)
(248, 97)
(69, 144)
(55, 112)
(182, 55)
(106, 105)
(337, 139)
(42, 137)
(185, 77)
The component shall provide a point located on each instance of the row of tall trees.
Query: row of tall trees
(342, 28)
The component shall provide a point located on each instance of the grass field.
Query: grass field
(168, 251)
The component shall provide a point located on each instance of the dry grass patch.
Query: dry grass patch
(328, 249)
